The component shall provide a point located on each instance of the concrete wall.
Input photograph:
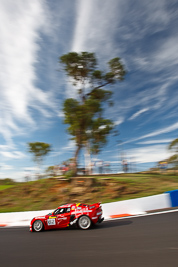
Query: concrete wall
(20, 218)
(137, 206)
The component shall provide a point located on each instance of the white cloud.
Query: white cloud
(143, 19)
(119, 121)
(155, 142)
(20, 23)
(5, 167)
(167, 55)
(168, 129)
(10, 152)
(29, 169)
(92, 31)
(16, 175)
(84, 9)
(70, 146)
(148, 154)
(60, 114)
(13, 154)
(135, 115)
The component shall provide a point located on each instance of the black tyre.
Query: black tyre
(38, 226)
(84, 222)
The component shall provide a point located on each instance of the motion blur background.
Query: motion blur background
(35, 33)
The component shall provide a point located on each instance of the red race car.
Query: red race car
(67, 215)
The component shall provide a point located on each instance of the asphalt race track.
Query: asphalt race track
(142, 241)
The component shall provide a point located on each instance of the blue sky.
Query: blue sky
(35, 33)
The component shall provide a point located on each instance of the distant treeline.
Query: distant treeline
(7, 181)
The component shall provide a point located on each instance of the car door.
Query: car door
(51, 222)
(63, 217)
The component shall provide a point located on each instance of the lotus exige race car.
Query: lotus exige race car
(67, 215)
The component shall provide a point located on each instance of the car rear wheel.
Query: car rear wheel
(38, 226)
(84, 222)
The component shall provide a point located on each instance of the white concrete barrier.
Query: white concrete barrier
(20, 218)
(129, 207)
(136, 206)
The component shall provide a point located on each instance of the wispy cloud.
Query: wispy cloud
(5, 167)
(119, 121)
(168, 129)
(9, 152)
(164, 130)
(146, 19)
(13, 154)
(20, 25)
(148, 154)
(155, 142)
(69, 147)
(135, 115)
(92, 31)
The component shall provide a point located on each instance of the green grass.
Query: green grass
(50, 193)
(2, 187)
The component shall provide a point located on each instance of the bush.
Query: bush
(70, 174)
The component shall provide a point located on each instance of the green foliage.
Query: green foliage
(39, 150)
(50, 168)
(117, 70)
(101, 128)
(85, 114)
(7, 181)
(174, 146)
(69, 174)
(79, 66)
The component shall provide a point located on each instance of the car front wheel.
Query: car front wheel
(84, 222)
(38, 226)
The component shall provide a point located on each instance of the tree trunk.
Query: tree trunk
(76, 159)
(88, 167)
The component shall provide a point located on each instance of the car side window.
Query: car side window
(59, 211)
(68, 210)
(62, 211)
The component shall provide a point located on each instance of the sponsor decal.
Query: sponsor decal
(99, 213)
(94, 218)
(63, 218)
(92, 207)
(81, 211)
(52, 217)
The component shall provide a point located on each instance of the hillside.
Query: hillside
(50, 193)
